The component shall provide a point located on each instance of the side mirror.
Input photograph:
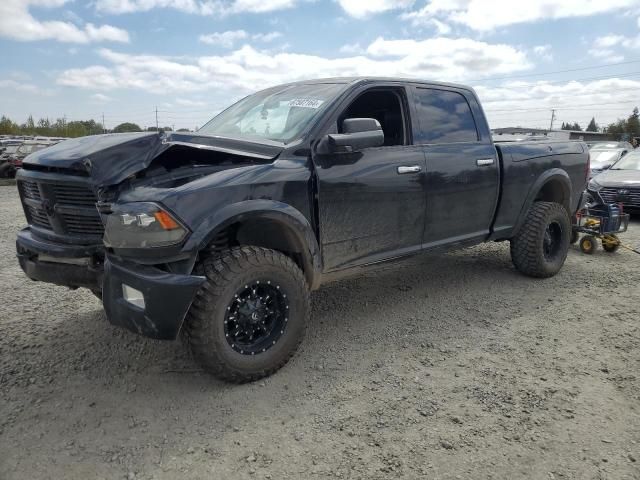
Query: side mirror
(623, 153)
(358, 133)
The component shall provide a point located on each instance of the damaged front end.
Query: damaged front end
(75, 190)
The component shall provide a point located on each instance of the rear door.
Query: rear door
(462, 171)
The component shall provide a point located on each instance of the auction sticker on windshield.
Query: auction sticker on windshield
(305, 103)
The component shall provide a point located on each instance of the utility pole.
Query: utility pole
(553, 117)
(157, 127)
(104, 127)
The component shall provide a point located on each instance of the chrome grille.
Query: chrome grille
(80, 225)
(30, 190)
(63, 208)
(612, 195)
(38, 217)
(74, 195)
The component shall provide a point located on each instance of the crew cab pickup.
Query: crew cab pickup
(221, 234)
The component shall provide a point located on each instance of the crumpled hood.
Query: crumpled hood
(619, 178)
(111, 158)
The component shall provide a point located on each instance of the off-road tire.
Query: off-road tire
(528, 246)
(226, 272)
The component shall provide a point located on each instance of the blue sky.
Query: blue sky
(190, 58)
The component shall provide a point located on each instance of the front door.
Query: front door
(372, 202)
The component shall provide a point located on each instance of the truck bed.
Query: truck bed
(525, 166)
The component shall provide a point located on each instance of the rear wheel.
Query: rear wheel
(250, 316)
(540, 247)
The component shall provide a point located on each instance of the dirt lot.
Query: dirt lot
(447, 367)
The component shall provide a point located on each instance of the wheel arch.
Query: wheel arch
(267, 224)
(552, 186)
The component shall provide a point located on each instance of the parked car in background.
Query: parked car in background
(609, 145)
(603, 158)
(6, 168)
(620, 183)
(26, 148)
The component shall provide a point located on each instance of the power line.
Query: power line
(526, 75)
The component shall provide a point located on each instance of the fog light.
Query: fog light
(133, 296)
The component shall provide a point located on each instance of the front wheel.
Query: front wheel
(250, 316)
(540, 247)
(588, 244)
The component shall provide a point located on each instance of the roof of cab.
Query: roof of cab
(357, 80)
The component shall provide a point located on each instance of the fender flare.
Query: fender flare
(290, 218)
(554, 174)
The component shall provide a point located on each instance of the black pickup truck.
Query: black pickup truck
(222, 234)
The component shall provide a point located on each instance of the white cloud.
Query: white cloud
(266, 37)
(198, 7)
(186, 102)
(544, 52)
(17, 23)
(360, 8)
(100, 98)
(529, 103)
(229, 38)
(23, 87)
(612, 47)
(224, 39)
(486, 15)
(248, 69)
(352, 49)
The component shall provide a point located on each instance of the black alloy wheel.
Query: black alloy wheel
(256, 317)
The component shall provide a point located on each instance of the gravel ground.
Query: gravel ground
(445, 367)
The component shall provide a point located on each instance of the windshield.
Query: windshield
(630, 161)
(11, 149)
(604, 155)
(279, 113)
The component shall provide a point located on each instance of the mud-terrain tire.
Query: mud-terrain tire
(248, 291)
(540, 247)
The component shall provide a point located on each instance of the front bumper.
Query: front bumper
(69, 265)
(167, 298)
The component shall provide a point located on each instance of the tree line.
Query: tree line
(629, 127)
(45, 127)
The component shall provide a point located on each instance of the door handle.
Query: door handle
(484, 162)
(411, 169)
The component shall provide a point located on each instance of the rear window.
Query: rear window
(444, 117)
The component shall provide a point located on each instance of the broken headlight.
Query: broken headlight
(142, 225)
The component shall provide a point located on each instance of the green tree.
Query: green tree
(8, 127)
(633, 123)
(593, 126)
(127, 127)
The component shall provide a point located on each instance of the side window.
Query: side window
(444, 117)
(386, 106)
